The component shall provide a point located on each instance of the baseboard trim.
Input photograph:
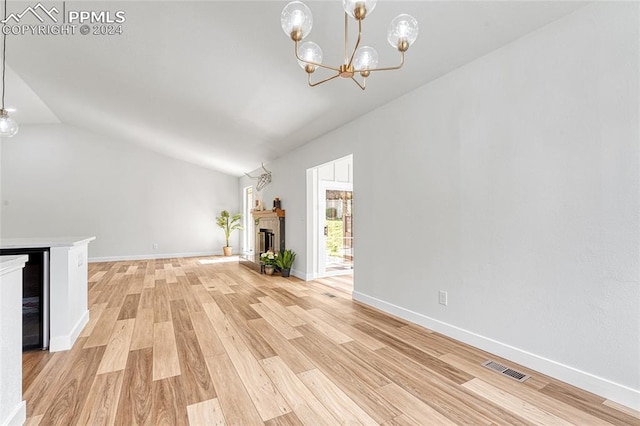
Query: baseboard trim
(301, 275)
(18, 416)
(616, 392)
(64, 343)
(153, 256)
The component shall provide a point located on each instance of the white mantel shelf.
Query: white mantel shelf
(8, 243)
(68, 284)
(10, 263)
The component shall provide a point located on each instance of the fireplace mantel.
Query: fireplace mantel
(259, 214)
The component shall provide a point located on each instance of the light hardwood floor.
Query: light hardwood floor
(178, 342)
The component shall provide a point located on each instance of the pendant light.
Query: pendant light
(8, 126)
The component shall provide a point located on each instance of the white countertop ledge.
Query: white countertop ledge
(18, 243)
(11, 263)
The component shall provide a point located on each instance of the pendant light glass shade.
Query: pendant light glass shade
(350, 6)
(366, 58)
(402, 32)
(8, 126)
(296, 20)
(310, 51)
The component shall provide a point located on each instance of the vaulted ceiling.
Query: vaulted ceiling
(216, 83)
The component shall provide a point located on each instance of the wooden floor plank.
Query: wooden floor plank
(34, 421)
(306, 406)
(355, 334)
(276, 322)
(165, 353)
(320, 325)
(207, 413)
(136, 396)
(143, 330)
(281, 311)
(169, 404)
(412, 406)
(334, 399)
(129, 306)
(102, 402)
(102, 330)
(297, 361)
(208, 339)
(289, 419)
(237, 407)
(95, 311)
(70, 398)
(621, 408)
(263, 393)
(115, 355)
(514, 404)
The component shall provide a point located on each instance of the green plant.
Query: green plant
(286, 258)
(269, 258)
(228, 223)
(335, 236)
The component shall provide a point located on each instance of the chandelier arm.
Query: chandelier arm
(397, 67)
(353, 54)
(363, 85)
(311, 62)
(321, 81)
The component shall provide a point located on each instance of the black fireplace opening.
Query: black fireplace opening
(266, 240)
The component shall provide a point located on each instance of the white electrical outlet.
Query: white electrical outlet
(442, 297)
(155, 246)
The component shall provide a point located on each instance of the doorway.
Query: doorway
(248, 234)
(336, 247)
(331, 221)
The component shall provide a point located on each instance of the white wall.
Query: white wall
(62, 181)
(514, 181)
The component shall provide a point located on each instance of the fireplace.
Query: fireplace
(269, 235)
(266, 239)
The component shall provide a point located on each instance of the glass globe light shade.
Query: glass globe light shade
(350, 6)
(309, 51)
(296, 16)
(366, 58)
(403, 29)
(8, 126)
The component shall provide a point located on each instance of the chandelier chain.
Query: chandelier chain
(4, 49)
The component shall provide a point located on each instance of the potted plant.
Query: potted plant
(229, 224)
(285, 261)
(269, 259)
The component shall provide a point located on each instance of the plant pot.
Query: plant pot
(268, 269)
(228, 251)
(286, 272)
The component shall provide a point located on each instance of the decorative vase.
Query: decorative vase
(268, 269)
(286, 272)
(227, 250)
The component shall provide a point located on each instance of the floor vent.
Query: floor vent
(329, 295)
(509, 372)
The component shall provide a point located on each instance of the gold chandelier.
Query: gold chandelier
(296, 20)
